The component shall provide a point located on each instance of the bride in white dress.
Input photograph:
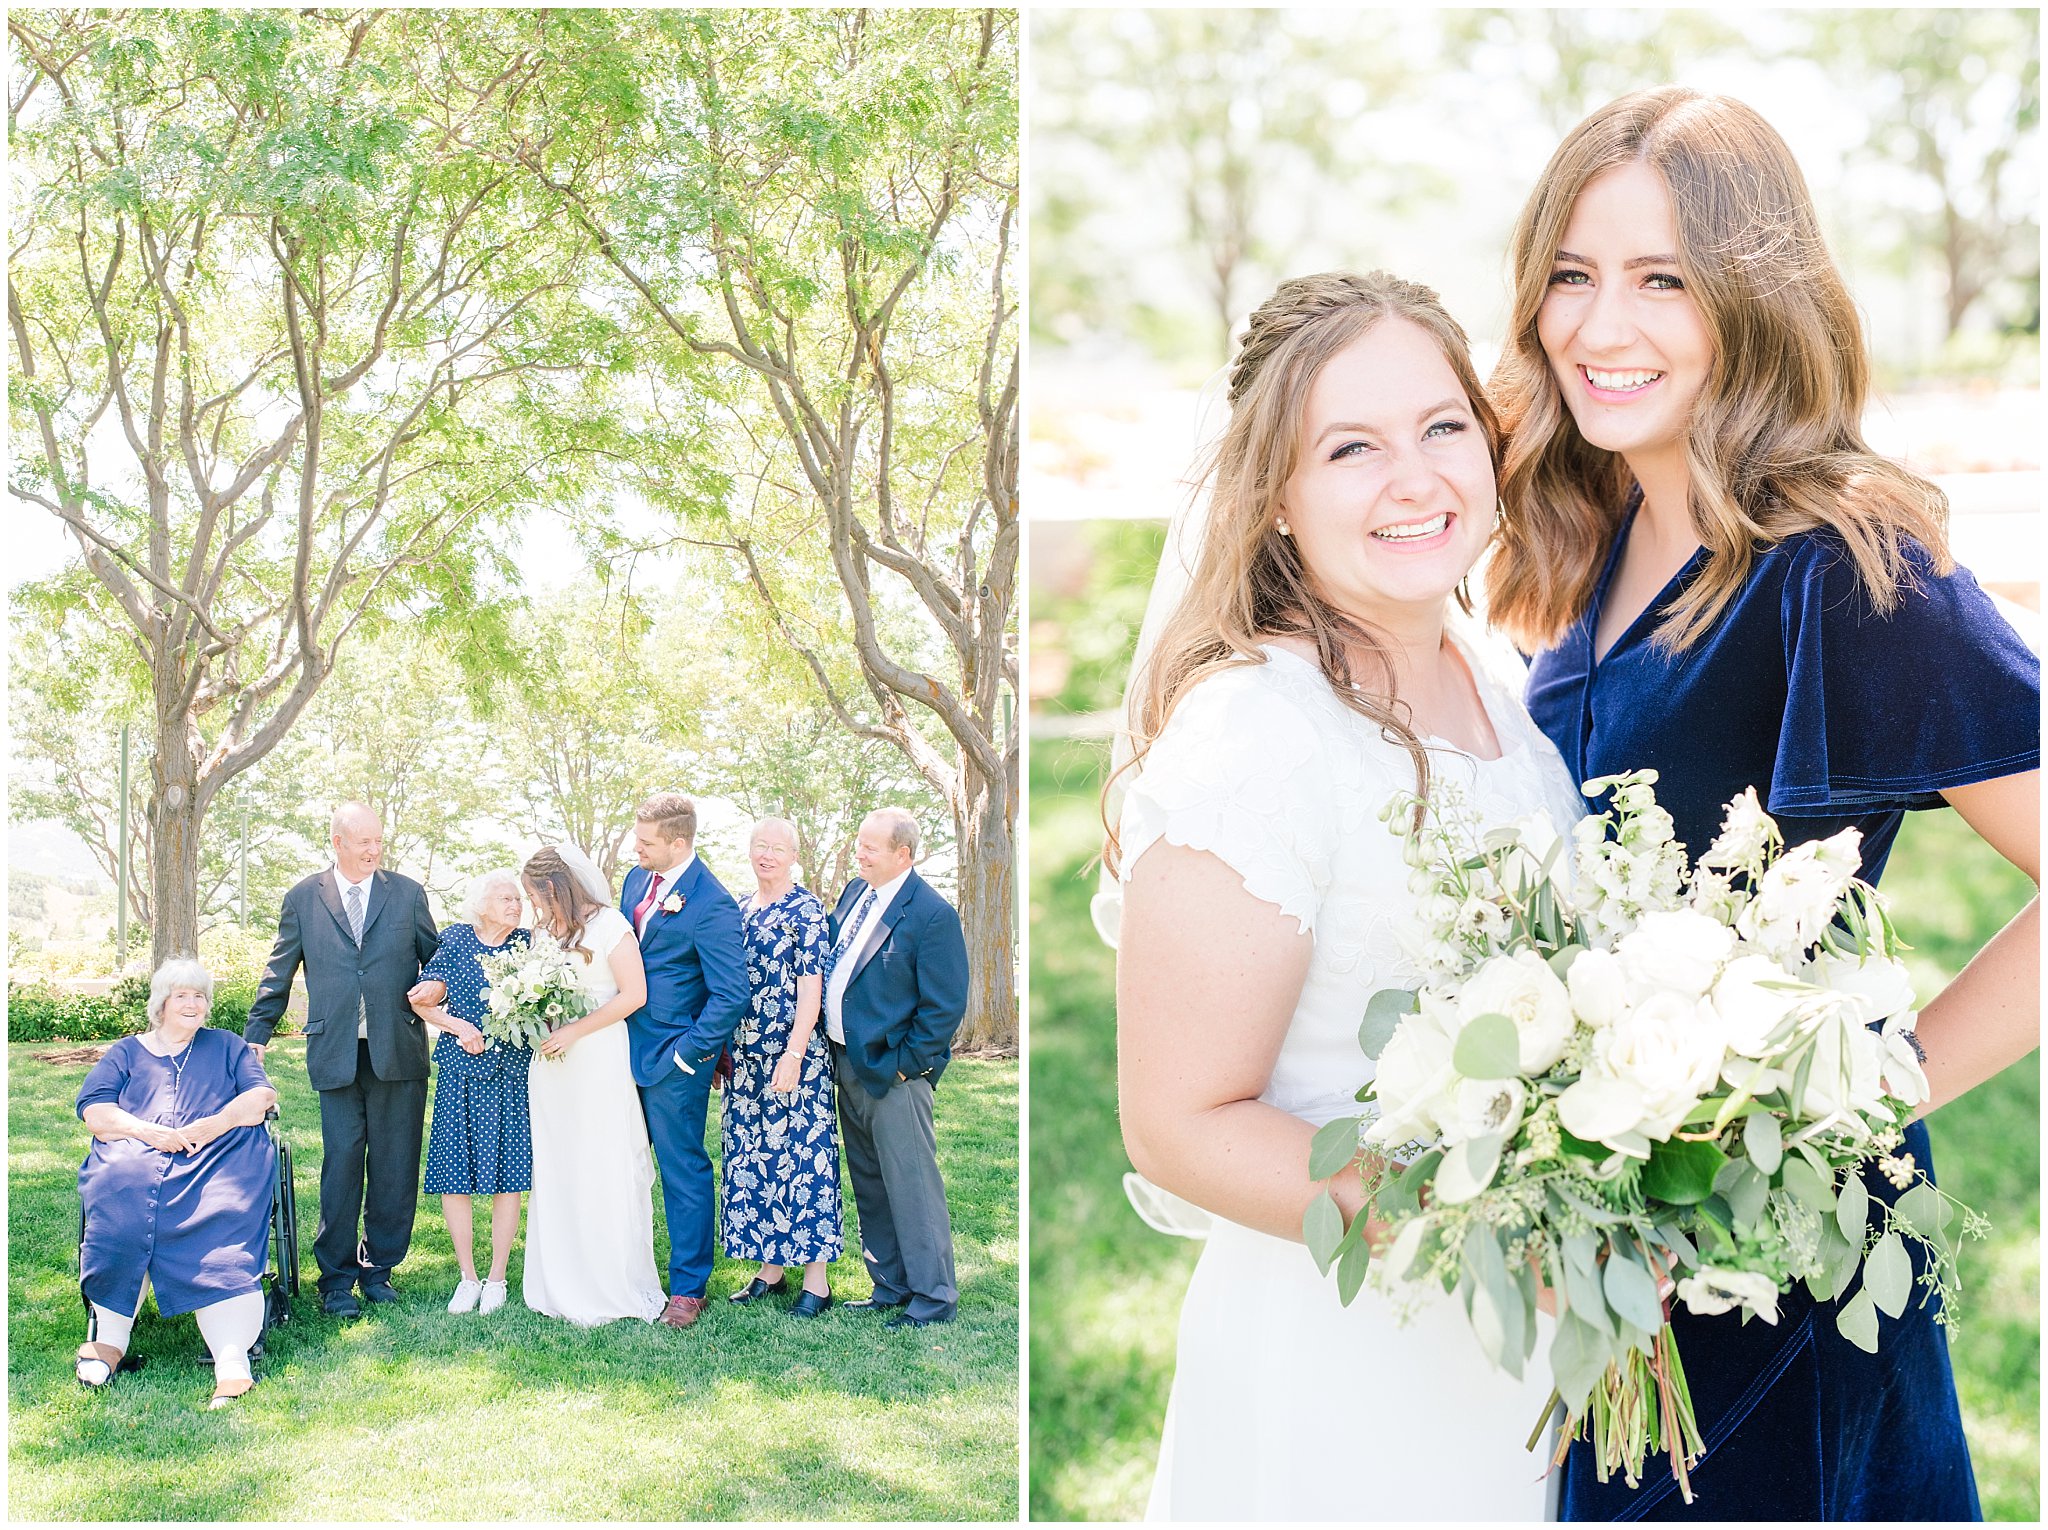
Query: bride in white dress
(1308, 674)
(590, 1216)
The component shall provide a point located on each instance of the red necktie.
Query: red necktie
(646, 903)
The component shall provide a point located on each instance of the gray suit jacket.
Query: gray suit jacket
(344, 982)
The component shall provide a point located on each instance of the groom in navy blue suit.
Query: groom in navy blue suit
(690, 944)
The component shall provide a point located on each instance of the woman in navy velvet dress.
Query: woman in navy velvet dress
(1720, 580)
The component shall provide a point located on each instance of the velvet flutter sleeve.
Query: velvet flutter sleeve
(1887, 710)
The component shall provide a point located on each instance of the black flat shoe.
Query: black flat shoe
(341, 1304)
(380, 1293)
(869, 1304)
(757, 1287)
(809, 1304)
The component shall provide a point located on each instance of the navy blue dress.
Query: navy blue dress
(780, 1152)
(1838, 717)
(198, 1224)
(482, 1141)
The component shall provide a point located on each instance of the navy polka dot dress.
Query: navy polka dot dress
(482, 1142)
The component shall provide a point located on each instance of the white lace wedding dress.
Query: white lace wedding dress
(590, 1217)
(1286, 1404)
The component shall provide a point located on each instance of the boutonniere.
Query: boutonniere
(672, 904)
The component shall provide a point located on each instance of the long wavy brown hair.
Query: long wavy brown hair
(1249, 583)
(1774, 445)
(557, 894)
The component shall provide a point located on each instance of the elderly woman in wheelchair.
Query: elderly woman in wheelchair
(177, 1186)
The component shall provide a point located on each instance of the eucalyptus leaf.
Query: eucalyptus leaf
(1578, 1358)
(1488, 1326)
(1839, 1256)
(1748, 1193)
(1561, 959)
(1857, 1319)
(1632, 1292)
(1584, 1296)
(1351, 1267)
(1322, 1228)
(1888, 1274)
(1383, 1012)
(1765, 1140)
(1799, 1178)
(1675, 1239)
(1487, 1048)
(1333, 1147)
(1852, 1208)
(1407, 1244)
(1416, 1177)
(1467, 1169)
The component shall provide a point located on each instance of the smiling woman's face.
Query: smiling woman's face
(1625, 339)
(1391, 500)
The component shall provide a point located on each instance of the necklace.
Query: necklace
(178, 1072)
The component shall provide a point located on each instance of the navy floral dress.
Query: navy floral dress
(780, 1202)
(482, 1141)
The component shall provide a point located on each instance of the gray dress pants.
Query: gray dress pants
(906, 1233)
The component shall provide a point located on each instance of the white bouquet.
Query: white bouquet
(1627, 1079)
(532, 990)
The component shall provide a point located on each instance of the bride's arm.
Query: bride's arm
(1207, 980)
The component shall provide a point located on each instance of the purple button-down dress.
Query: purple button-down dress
(195, 1223)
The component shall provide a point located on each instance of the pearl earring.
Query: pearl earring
(1282, 527)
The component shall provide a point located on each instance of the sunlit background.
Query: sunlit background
(1183, 162)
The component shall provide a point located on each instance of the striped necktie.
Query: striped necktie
(860, 914)
(355, 912)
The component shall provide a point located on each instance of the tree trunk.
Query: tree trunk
(985, 835)
(174, 822)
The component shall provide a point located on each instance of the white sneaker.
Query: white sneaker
(494, 1296)
(464, 1299)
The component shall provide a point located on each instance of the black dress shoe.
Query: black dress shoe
(380, 1292)
(809, 1304)
(757, 1287)
(905, 1320)
(341, 1304)
(869, 1304)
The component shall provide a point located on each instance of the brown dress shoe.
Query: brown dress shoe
(682, 1311)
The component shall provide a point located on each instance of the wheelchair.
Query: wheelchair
(280, 1278)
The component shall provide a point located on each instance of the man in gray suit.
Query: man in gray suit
(362, 935)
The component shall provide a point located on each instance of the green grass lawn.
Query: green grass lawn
(414, 1414)
(1106, 1291)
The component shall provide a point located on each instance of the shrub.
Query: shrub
(41, 1012)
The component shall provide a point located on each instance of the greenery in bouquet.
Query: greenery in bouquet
(533, 989)
(1629, 1080)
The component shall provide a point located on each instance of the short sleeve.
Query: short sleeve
(246, 1066)
(807, 959)
(1239, 771)
(1886, 711)
(109, 1076)
(604, 931)
(447, 956)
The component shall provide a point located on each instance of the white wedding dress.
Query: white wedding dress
(1286, 1404)
(590, 1217)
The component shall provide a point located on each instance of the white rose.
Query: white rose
(1483, 1108)
(1750, 1007)
(1680, 950)
(1413, 1074)
(1877, 987)
(1523, 988)
(1601, 1107)
(1797, 898)
(1712, 1292)
(1599, 991)
(1669, 1049)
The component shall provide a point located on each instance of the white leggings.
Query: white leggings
(229, 1327)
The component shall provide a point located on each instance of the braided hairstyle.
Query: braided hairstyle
(1250, 584)
(556, 895)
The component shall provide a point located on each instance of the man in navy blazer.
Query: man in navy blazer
(362, 934)
(895, 993)
(696, 961)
